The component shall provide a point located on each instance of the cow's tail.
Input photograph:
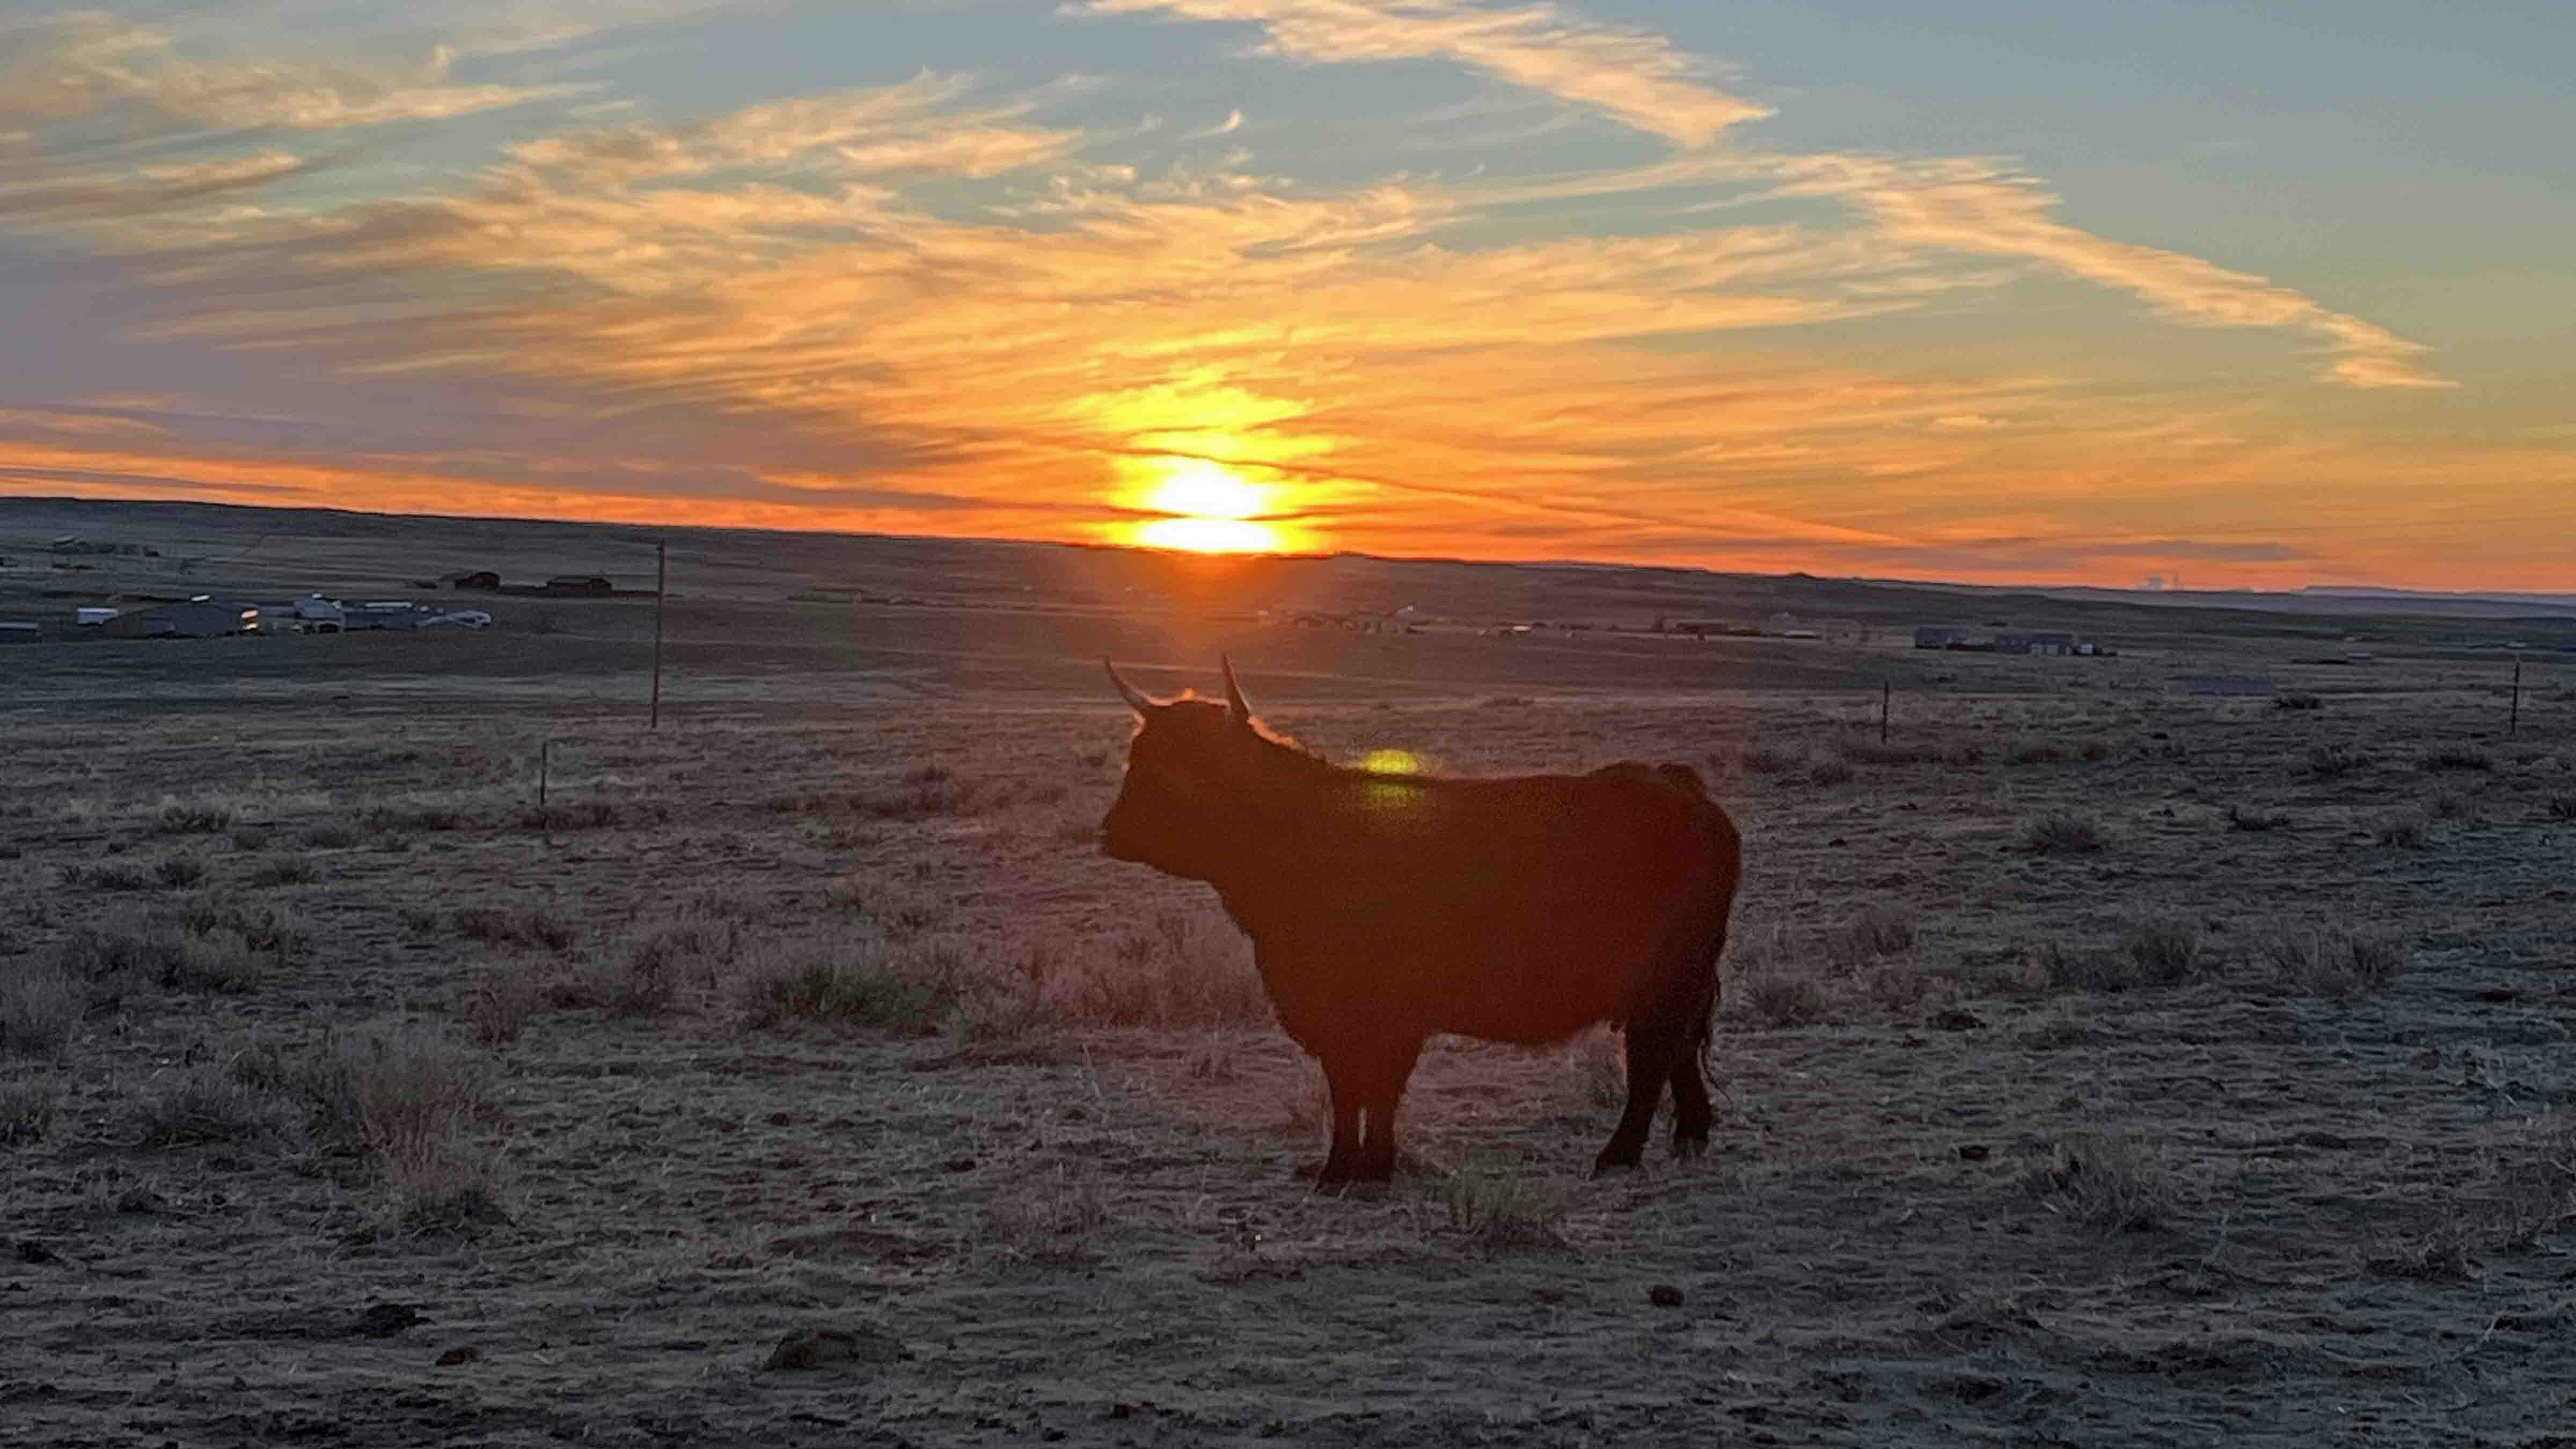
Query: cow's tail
(1729, 852)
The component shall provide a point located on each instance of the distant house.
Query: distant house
(578, 584)
(1939, 636)
(13, 631)
(2034, 644)
(473, 579)
(195, 619)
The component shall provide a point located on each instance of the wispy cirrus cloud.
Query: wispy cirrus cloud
(121, 81)
(1979, 207)
(1965, 205)
(1633, 75)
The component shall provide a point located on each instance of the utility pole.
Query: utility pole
(661, 588)
(2513, 717)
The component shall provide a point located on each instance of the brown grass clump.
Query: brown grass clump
(2094, 750)
(2445, 1252)
(26, 1111)
(580, 815)
(2333, 964)
(418, 1097)
(2246, 817)
(2297, 702)
(2033, 752)
(498, 1004)
(1869, 749)
(2562, 806)
(1829, 770)
(1881, 930)
(1495, 1201)
(284, 870)
(192, 817)
(109, 875)
(132, 953)
(2055, 1029)
(2105, 1181)
(180, 872)
(407, 1099)
(2149, 956)
(834, 979)
(2402, 830)
(899, 908)
(40, 1004)
(1767, 760)
(329, 835)
(2456, 757)
(208, 1106)
(263, 926)
(1180, 968)
(1771, 988)
(2063, 831)
(515, 926)
(429, 816)
(2333, 762)
(1051, 1216)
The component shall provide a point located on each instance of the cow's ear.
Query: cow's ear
(1237, 711)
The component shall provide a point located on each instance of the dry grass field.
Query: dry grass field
(2100, 1064)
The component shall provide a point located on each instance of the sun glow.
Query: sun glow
(1211, 508)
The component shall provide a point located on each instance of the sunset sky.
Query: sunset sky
(2248, 295)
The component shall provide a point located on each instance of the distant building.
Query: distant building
(578, 584)
(2034, 644)
(13, 631)
(484, 579)
(1939, 636)
(196, 619)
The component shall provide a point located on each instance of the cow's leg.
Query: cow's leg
(1342, 1080)
(1655, 1044)
(1389, 1066)
(1692, 1116)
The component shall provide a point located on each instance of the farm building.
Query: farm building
(578, 584)
(484, 579)
(14, 631)
(1939, 636)
(2034, 644)
(195, 619)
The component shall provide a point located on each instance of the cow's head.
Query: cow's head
(1189, 767)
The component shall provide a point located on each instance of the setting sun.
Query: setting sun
(1211, 508)
(1197, 488)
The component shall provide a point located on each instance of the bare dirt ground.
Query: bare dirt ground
(2101, 1064)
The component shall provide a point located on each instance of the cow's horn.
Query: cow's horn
(1234, 704)
(1128, 692)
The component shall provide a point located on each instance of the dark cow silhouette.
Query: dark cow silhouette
(1385, 907)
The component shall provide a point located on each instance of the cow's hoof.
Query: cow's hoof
(1369, 1189)
(1608, 1163)
(1688, 1148)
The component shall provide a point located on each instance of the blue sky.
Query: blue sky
(2079, 292)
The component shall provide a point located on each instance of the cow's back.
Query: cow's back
(1514, 910)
